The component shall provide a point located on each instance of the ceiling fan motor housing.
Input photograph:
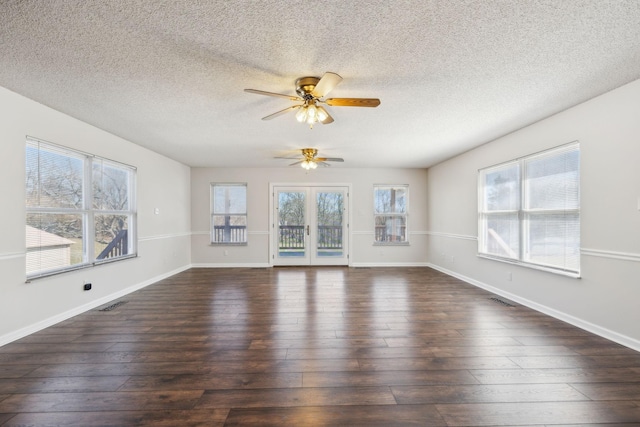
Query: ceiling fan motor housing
(306, 85)
(309, 153)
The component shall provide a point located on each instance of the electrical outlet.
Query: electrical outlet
(87, 286)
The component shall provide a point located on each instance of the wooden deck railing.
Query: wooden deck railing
(292, 237)
(383, 236)
(117, 247)
(230, 233)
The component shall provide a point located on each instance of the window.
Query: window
(390, 207)
(529, 210)
(229, 213)
(80, 209)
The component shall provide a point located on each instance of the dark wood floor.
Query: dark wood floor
(316, 346)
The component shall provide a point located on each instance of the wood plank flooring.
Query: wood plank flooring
(326, 346)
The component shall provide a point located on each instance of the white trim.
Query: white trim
(363, 233)
(389, 264)
(232, 265)
(12, 255)
(452, 236)
(572, 274)
(575, 321)
(163, 236)
(624, 256)
(28, 330)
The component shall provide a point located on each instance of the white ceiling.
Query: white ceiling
(451, 75)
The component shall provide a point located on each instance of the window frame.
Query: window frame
(524, 214)
(402, 215)
(86, 211)
(213, 214)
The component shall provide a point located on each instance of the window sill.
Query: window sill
(391, 244)
(572, 274)
(78, 267)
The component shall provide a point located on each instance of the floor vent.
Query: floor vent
(503, 302)
(113, 306)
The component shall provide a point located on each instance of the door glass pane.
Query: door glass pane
(291, 224)
(330, 208)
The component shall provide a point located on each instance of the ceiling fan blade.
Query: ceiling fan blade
(326, 84)
(279, 95)
(329, 159)
(281, 112)
(353, 102)
(329, 119)
(296, 163)
(287, 158)
(323, 164)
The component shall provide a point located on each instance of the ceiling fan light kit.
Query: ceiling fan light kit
(310, 159)
(311, 113)
(308, 165)
(311, 92)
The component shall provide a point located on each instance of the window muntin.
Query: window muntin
(390, 208)
(530, 210)
(75, 218)
(229, 213)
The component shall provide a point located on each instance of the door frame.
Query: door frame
(308, 185)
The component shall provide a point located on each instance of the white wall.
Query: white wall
(606, 299)
(164, 239)
(362, 250)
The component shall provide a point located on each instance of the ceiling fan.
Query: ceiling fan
(311, 92)
(310, 160)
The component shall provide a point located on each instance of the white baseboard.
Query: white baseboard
(232, 265)
(353, 264)
(23, 332)
(389, 264)
(575, 321)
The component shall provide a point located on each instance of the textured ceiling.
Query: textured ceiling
(451, 75)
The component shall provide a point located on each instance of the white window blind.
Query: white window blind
(80, 209)
(529, 210)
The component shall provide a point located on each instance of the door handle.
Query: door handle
(307, 230)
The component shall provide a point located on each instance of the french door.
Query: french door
(310, 225)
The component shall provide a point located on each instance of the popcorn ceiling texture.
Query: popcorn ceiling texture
(451, 75)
